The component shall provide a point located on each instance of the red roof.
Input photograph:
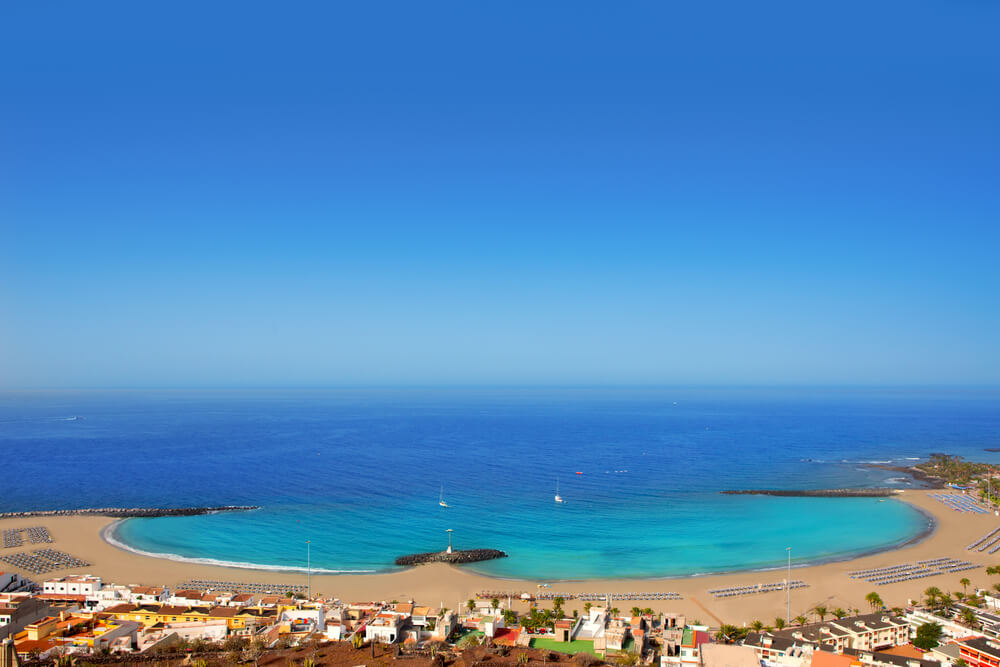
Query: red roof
(29, 645)
(507, 635)
(701, 637)
(120, 609)
(826, 659)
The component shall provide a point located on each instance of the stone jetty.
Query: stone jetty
(130, 512)
(455, 557)
(817, 493)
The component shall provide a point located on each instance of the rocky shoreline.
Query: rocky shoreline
(918, 475)
(816, 493)
(131, 512)
(455, 557)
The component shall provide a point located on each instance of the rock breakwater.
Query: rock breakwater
(455, 557)
(130, 512)
(817, 493)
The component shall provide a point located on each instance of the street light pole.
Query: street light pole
(309, 570)
(788, 588)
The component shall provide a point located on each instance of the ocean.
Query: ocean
(359, 472)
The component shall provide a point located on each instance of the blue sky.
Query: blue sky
(559, 192)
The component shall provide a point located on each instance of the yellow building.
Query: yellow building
(94, 631)
(237, 618)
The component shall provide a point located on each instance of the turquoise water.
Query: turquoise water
(358, 472)
(639, 537)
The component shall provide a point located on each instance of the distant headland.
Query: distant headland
(131, 512)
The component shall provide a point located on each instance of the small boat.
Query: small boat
(559, 498)
(441, 501)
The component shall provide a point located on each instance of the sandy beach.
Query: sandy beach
(437, 584)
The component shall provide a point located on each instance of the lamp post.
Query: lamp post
(309, 570)
(450, 531)
(788, 588)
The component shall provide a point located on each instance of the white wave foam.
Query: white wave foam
(110, 536)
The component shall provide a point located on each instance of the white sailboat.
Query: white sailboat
(559, 498)
(441, 501)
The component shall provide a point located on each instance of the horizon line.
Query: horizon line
(511, 385)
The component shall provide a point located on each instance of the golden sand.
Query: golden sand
(450, 586)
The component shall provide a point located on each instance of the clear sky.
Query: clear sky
(324, 193)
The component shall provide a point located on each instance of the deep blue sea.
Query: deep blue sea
(358, 472)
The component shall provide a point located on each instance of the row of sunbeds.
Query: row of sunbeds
(242, 586)
(42, 561)
(960, 502)
(752, 589)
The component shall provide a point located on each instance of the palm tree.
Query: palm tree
(779, 623)
(839, 613)
(557, 604)
(756, 625)
(801, 620)
(495, 602)
(726, 632)
(471, 604)
(636, 611)
(968, 617)
(965, 583)
(993, 569)
(820, 611)
(586, 608)
(874, 600)
(613, 612)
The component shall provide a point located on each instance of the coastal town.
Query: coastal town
(931, 603)
(84, 619)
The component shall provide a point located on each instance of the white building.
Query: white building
(312, 619)
(384, 628)
(10, 582)
(108, 596)
(147, 594)
(949, 627)
(867, 632)
(336, 631)
(83, 584)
